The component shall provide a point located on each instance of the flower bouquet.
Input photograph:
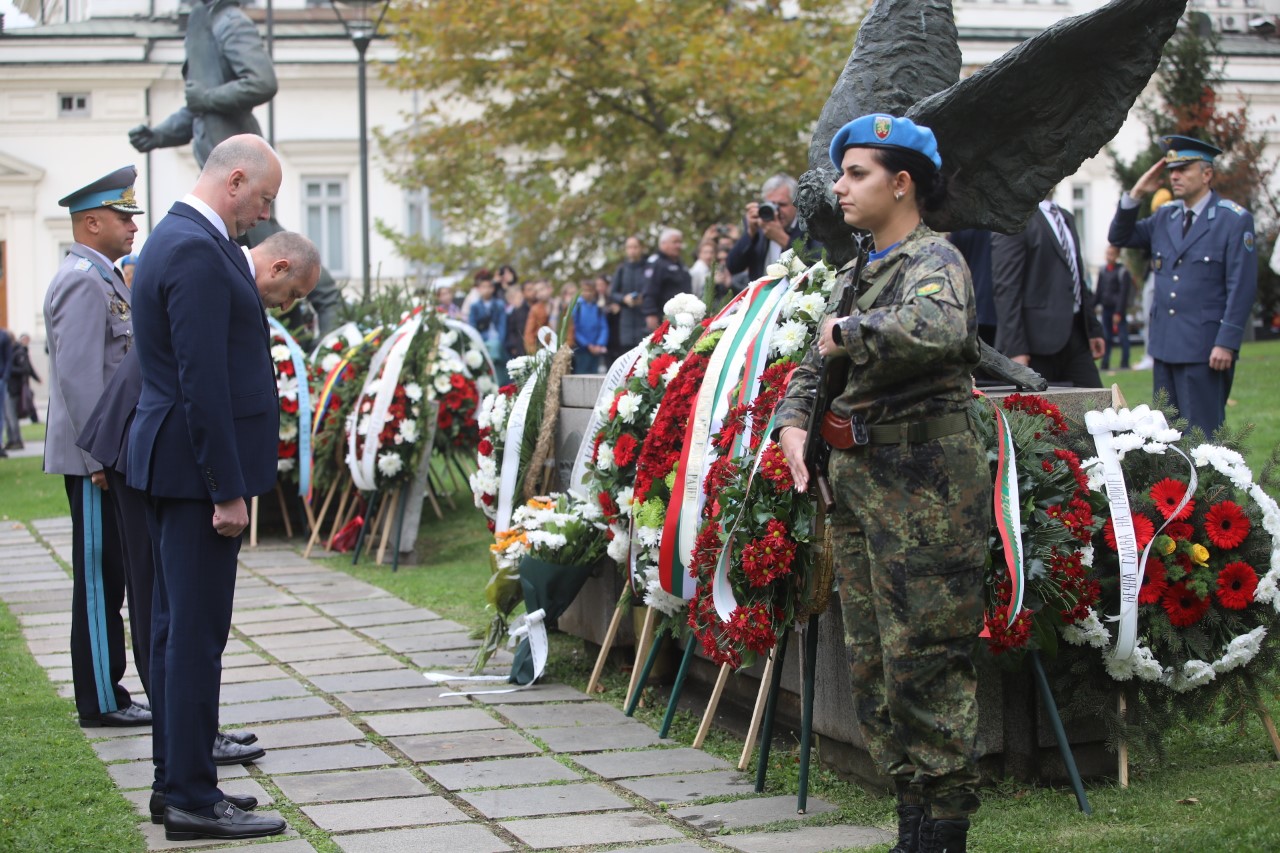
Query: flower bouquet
(491, 420)
(293, 392)
(459, 373)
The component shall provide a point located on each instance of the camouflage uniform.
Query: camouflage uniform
(911, 521)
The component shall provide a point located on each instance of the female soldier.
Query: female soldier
(910, 477)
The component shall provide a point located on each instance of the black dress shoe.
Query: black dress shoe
(227, 752)
(131, 716)
(228, 822)
(156, 806)
(242, 738)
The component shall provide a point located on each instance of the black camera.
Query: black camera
(767, 211)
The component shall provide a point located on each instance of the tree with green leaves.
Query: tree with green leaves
(547, 131)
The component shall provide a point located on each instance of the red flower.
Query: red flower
(485, 447)
(286, 368)
(508, 390)
(289, 449)
(752, 626)
(719, 475)
(1226, 525)
(1237, 583)
(338, 345)
(1167, 494)
(1005, 637)
(288, 406)
(659, 366)
(1154, 582)
(488, 499)
(1184, 607)
(458, 381)
(1143, 529)
(606, 503)
(774, 468)
(1179, 530)
(659, 333)
(1034, 405)
(625, 450)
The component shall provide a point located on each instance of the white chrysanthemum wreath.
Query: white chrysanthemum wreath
(1145, 429)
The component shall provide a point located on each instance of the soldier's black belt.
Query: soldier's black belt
(844, 433)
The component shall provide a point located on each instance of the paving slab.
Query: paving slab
(432, 722)
(688, 787)
(650, 762)
(242, 674)
(266, 597)
(809, 839)
(387, 617)
(499, 803)
(333, 666)
(564, 714)
(575, 739)
(236, 661)
(554, 833)
(409, 629)
(51, 660)
(462, 659)
(275, 642)
(234, 647)
(308, 759)
(325, 651)
(288, 626)
(383, 604)
(332, 594)
(134, 748)
(500, 772)
(276, 709)
(431, 642)
(33, 608)
(536, 694)
(257, 691)
(244, 616)
(455, 838)
(140, 774)
(50, 646)
(463, 746)
(743, 814)
(351, 785)
(425, 696)
(677, 847)
(60, 618)
(356, 682)
(384, 814)
(306, 733)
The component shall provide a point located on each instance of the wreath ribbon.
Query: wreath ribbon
(477, 341)
(510, 470)
(384, 375)
(304, 405)
(1007, 507)
(530, 625)
(618, 372)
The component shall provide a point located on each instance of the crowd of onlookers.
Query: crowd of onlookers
(614, 310)
(16, 398)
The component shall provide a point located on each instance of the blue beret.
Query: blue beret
(1180, 150)
(129, 259)
(884, 131)
(114, 191)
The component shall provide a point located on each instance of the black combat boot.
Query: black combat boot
(909, 820)
(945, 836)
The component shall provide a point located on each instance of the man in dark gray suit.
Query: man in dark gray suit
(1044, 309)
(89, 328)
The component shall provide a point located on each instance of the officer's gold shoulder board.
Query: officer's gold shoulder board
(929, 289)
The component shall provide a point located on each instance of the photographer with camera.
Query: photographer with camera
(771, 226)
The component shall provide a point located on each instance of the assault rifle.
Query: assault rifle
(832, 378)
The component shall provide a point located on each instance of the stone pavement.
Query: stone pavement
(364, 752)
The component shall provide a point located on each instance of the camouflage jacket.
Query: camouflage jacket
(913, 351)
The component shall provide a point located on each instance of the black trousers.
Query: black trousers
(1073, 364)
(190, 622)
(98, 583)
(130, 507)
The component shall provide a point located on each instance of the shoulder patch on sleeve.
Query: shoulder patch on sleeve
(929, 289)
(1248, 241)
(1227, 204)
(83, 265)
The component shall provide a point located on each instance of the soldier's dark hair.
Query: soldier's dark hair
(931, 184)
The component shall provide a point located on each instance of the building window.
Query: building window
(324, 205)
(420, 221)
(73, 105)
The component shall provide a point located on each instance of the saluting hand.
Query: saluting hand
(230, 518)
(1149, 182)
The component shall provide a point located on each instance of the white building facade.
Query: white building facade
(89, 70)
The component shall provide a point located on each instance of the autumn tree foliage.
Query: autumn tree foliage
(548, 131)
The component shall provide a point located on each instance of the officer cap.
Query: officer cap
(114, 191)
(879, 130)
(1180, 150)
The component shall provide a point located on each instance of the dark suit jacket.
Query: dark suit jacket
(1115, 287)
(105, 436)
(208, 420)
(1034, 294)
(749, 253)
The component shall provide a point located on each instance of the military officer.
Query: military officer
(1206, 275)
(909, 474)
(89, 328)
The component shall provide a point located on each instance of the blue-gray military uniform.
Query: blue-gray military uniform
(1205, 284)
(89, 328)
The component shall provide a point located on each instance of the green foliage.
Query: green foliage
(548, 131)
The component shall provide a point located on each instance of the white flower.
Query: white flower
(442, 384)
(1126, 441)
(542, 539)
(658, 598)
(1155, 448)
(390, 464)
(1194, 674)
(283, 465)
(408, 431)
(604, 457)
(795, 264)
(448, 339)
(413, 391)
(329, 362)
(628, 406)
(649, 537)
(519, 368)
(776, 270)
(669, 374)
(810, 307)
(288, 387)
(289, 431)
(473, 359)
(675, 337)
(487, 465)
(485, 384)
(619, 547)
(279, 353)
(788, 338)
(1086, 555)
(624, 499)
(1087, 632)
(684, 309)
(683, 319)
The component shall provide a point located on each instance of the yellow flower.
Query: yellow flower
(1199, 555)
(1166, 545)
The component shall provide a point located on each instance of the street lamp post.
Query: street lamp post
(358, 19)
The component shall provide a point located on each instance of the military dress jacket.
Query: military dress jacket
(208, 420)
(1205, 282)
(664, 277)
(88, 325)
(913, 350)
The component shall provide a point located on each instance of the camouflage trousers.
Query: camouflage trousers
(910, 534)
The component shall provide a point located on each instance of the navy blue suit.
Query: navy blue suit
(1205, 284)
(205, 432)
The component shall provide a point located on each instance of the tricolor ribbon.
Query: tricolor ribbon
(1007, 507)
(304, 404)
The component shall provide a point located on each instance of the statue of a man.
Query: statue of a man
(228, 72)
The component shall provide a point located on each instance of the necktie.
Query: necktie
(1186, 221)
(1060, 226)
